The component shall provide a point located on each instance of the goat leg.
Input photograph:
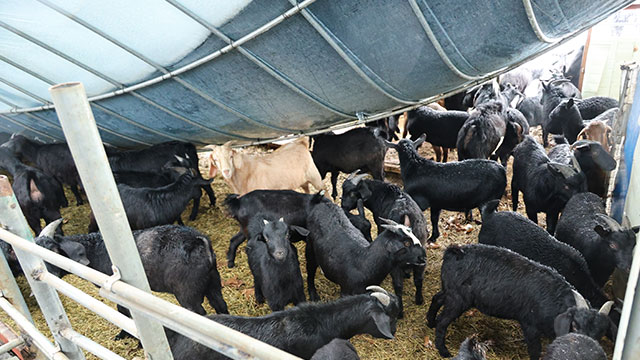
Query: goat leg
(235, 241)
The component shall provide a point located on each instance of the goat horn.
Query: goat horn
(581, 303)
(383, 298)
(51, 228)
(357, 179)
(376, 288)
(389, 222)
(353, 174)
(606, 308)
(609, 222)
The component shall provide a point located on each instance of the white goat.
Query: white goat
(287, 168)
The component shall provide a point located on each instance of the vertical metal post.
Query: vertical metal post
(79, 126)
(10, 289)
(48, 300)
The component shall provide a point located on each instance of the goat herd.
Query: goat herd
(550, 281)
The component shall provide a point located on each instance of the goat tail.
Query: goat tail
(489, 208)
(232, 203)
(214, 291)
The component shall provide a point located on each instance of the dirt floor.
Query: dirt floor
(413, 339)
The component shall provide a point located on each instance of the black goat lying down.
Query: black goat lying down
(290, 205)
(40, 196)
(304, 329)
(182, 249)
(535, 295)
(515, 232)
(457, 186)
(274, 262)
(147, 207)
(53, 159)
(152, 159)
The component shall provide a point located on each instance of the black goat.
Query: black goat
(567, 116)
(594, 161)
(40, 196)
(515, 232)
(183, 250)
(456, 186)
(154, 158)
(531, 108)
(471, 349)
(360, 221)
(546, 186)
(455, 102)
(591, 107)
(337, 349)
(441, 127)
(388, 127)
(290, 205)
(483, 132)
(147, 207)
(534, 295)
(553, 93)
(388, 201)
(53, 159)
(304, 329)
(604, 244)
(357, 149)
(345, 256)
(517, 128)
(274, 263)
(574, 346)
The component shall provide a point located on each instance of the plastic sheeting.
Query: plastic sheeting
(330, 63)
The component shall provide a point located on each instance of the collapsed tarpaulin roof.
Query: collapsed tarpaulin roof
(250, 70)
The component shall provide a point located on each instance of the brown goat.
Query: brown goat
(597, 130)
(287, 168)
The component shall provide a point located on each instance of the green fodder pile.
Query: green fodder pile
(413, 339)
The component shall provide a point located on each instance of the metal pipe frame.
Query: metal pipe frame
(10, 345)
(83, 139)
(213, 332)
(261, 63)
(360, 68)
(535, 26)
(436, 44)
(28, 127)
(10, 289)
(12, 218)
(84, 67)
(105, 311)
(122, 90)
(39, 340)
(150, 62)
(90, 345)
(24, 91)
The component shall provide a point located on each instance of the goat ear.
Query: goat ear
(635, 229)
(419, 141)
(383, 324)
(562, 322)
(75, 251)
(569, 103)
(34, 193)
(364, 191)
(407, 221)
(213, 170)
(300, 230)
